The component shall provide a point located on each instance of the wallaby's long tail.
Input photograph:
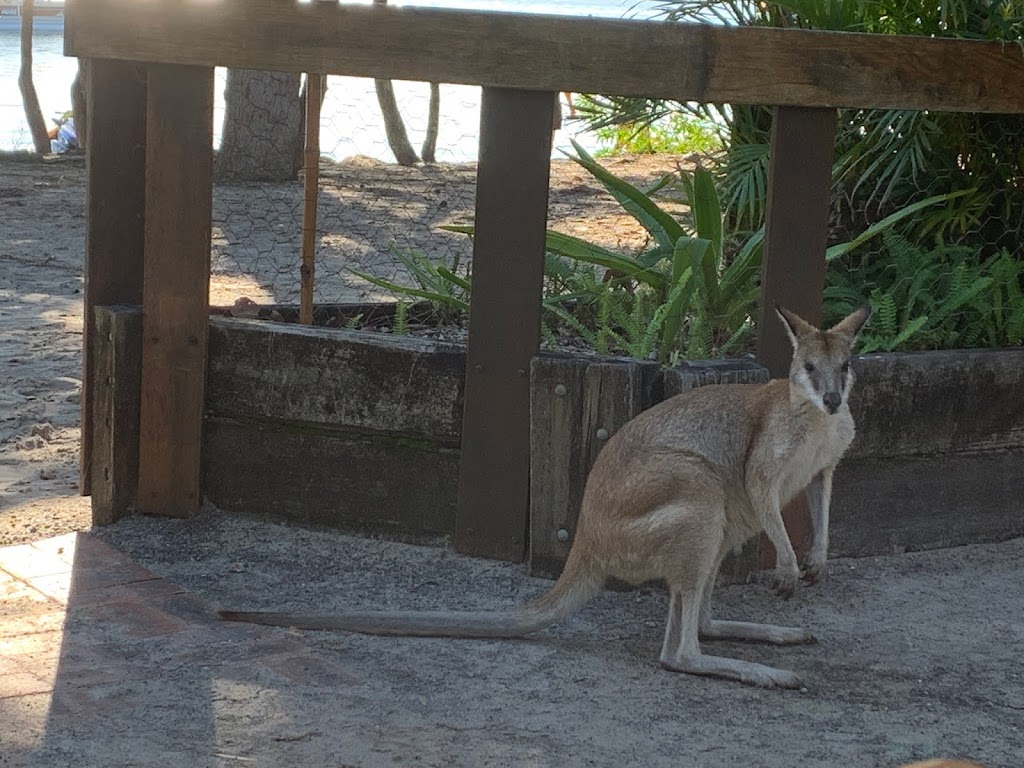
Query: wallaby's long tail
(578, 583)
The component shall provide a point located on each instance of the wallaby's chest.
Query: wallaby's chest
(809, 452)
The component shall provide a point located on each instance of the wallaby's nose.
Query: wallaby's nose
(832, 401)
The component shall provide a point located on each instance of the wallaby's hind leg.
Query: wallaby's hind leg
(681, 649)
(713, 629)
(686, 657)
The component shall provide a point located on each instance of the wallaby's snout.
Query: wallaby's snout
(832, 401)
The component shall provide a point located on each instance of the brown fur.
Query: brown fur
(672, 493)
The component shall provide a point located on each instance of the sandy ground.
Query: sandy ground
(42, 230)
(919, 654)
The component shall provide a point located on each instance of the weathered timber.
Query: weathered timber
(894, 504)
(925, 403)
(938, 459)
(685, 62)
(116, 385)
(687, 376)
(353, 430)
(576, 405)
(504, 321)
(179, 205)
(317, 376)
(331, 476)
(115, 211)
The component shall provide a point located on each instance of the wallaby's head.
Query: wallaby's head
(821, 369)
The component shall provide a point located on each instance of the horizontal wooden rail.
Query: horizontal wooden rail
(786, 67)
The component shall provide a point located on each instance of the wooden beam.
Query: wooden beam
(114, 216)
(793, 269)
(687, 62)
(504, 321)
(179, 202)
(117, 371)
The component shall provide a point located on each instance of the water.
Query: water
(351, 122)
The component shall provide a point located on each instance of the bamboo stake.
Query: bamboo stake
(311, 155)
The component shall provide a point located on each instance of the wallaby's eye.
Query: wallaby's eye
(809, 367)
(846, 367)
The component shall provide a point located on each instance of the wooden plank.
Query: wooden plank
(889, 505)
(179, 204)
(686, 62)
(793, 270)
(973, 398)
(331, 427)
(116, 386)
(504, 321)
(558, 464)
(687, 376)
(576, 406)
(372, 383)
(114, 214)
(796, 227)
(331, 476)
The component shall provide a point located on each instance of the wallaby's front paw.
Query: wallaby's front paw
(786, 581)
(815, 571)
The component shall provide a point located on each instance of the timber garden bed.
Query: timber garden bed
(361, 431)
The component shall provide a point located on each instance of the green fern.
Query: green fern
(401, 324)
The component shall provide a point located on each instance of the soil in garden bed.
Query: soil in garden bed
(421, 321)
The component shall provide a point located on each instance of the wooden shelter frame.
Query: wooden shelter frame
(149, 159)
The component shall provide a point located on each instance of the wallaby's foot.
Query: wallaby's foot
(786, 581)
(815, 571)
(762, 633)
(746, 672)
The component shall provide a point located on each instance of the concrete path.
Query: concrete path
(110, 655)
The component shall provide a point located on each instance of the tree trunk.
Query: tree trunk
(262, 136)
(34, 115)
(398, 139)
(433, 119)
(79, 101)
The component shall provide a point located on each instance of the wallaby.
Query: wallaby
(673, 492)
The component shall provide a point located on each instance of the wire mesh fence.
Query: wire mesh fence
(372, 212)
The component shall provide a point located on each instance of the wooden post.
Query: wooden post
(793, 271)
(115, 211)
(796, 226)
(179, 202)
(504, 328)
(314, 89)
(117, 369)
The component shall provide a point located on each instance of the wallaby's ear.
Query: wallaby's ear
(795, 325)
(852, 323)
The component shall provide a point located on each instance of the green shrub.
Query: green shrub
(939, 298)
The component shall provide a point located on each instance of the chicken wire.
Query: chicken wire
(368, 209)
